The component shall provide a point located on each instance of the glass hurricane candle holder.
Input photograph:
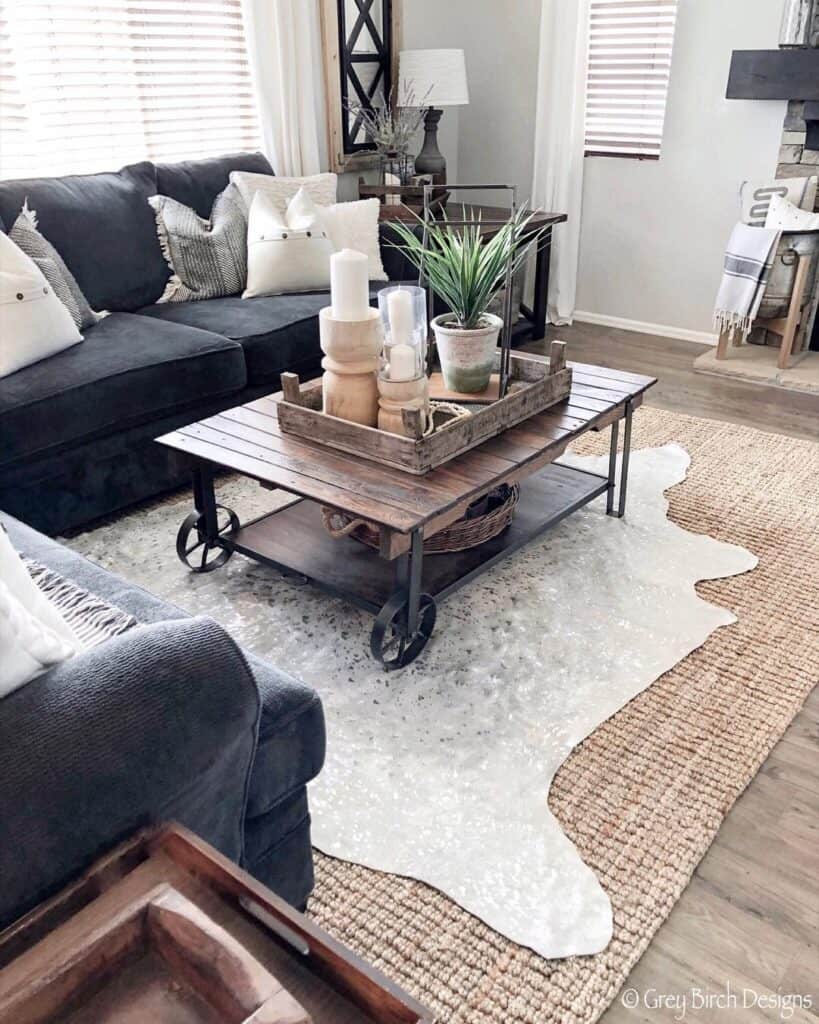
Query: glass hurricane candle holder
(403, 311)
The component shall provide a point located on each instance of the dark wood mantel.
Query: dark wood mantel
(789, 74)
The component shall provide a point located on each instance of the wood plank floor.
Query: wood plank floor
(750, 915)
(776, 410)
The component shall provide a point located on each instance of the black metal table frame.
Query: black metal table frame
(535, 330)
(409, 614)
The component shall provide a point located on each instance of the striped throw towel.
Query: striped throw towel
(748, 261)
(92, 619)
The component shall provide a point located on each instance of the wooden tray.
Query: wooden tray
(165, 929)
(535, 386)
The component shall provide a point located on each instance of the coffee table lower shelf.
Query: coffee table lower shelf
(402, 593)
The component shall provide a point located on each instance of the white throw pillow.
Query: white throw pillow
(286, 253)
(33, 634)
(34, 323)
(756, 197)
(784, 216)
(320, 187)
(355, 226)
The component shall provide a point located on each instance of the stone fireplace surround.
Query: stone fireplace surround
(796, 160)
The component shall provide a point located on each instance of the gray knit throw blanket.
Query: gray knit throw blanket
(748, 261)
(91, 618)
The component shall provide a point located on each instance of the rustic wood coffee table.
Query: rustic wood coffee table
(397, 584)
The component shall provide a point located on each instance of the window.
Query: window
(361, 41)
(630, 44)
(89, 86)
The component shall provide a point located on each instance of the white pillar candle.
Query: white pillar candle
(401, 314)
(349, 285)
(402, 362)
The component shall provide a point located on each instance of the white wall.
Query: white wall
(490, 140)
(496, 130)
(654, 232)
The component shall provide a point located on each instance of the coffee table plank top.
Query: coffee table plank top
(248, 439)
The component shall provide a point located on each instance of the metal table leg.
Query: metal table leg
(624, 464)
(615, 431)
(404, 625)
(541, 296)
(205, 532)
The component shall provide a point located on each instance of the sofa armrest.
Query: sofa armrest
(158, 724)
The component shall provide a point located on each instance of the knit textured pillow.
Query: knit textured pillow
(208, 258)
(26, 236)
(320, 187)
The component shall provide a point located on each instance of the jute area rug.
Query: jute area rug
(643, 797)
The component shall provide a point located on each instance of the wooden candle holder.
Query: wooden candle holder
(351, 353)
(394, 396)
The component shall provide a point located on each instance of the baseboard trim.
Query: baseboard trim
(643, 327)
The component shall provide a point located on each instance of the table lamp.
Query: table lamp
(433, 79)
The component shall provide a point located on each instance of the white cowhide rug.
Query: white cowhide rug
(441, 772)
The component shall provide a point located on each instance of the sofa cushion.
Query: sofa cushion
(277, 332)
(128, 370)
(104, 229)
(196, 183)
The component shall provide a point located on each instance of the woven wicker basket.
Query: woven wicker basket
(485, 519)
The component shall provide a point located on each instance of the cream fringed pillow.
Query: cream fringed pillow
(286, 252)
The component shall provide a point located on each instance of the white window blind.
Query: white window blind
(89, 86)
(630, 45)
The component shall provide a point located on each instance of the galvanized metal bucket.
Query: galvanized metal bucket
(793, 246)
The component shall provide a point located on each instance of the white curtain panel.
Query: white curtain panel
(284, 45)
(559, 141)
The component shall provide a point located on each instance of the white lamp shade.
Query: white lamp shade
(432, 78)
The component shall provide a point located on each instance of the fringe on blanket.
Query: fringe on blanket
(726, 321)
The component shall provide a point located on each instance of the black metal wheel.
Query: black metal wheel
(389, 641)
(193, 547)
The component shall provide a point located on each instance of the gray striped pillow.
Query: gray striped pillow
(26, 236)
(208, 258)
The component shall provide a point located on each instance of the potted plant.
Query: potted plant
(466, 271)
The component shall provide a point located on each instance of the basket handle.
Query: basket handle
(336, 532)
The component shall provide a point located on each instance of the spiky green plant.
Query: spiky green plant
(465, 270)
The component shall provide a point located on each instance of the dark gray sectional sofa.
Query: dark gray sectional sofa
(170, 721)
(76, 430)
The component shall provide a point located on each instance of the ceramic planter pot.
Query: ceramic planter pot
(467, 357)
